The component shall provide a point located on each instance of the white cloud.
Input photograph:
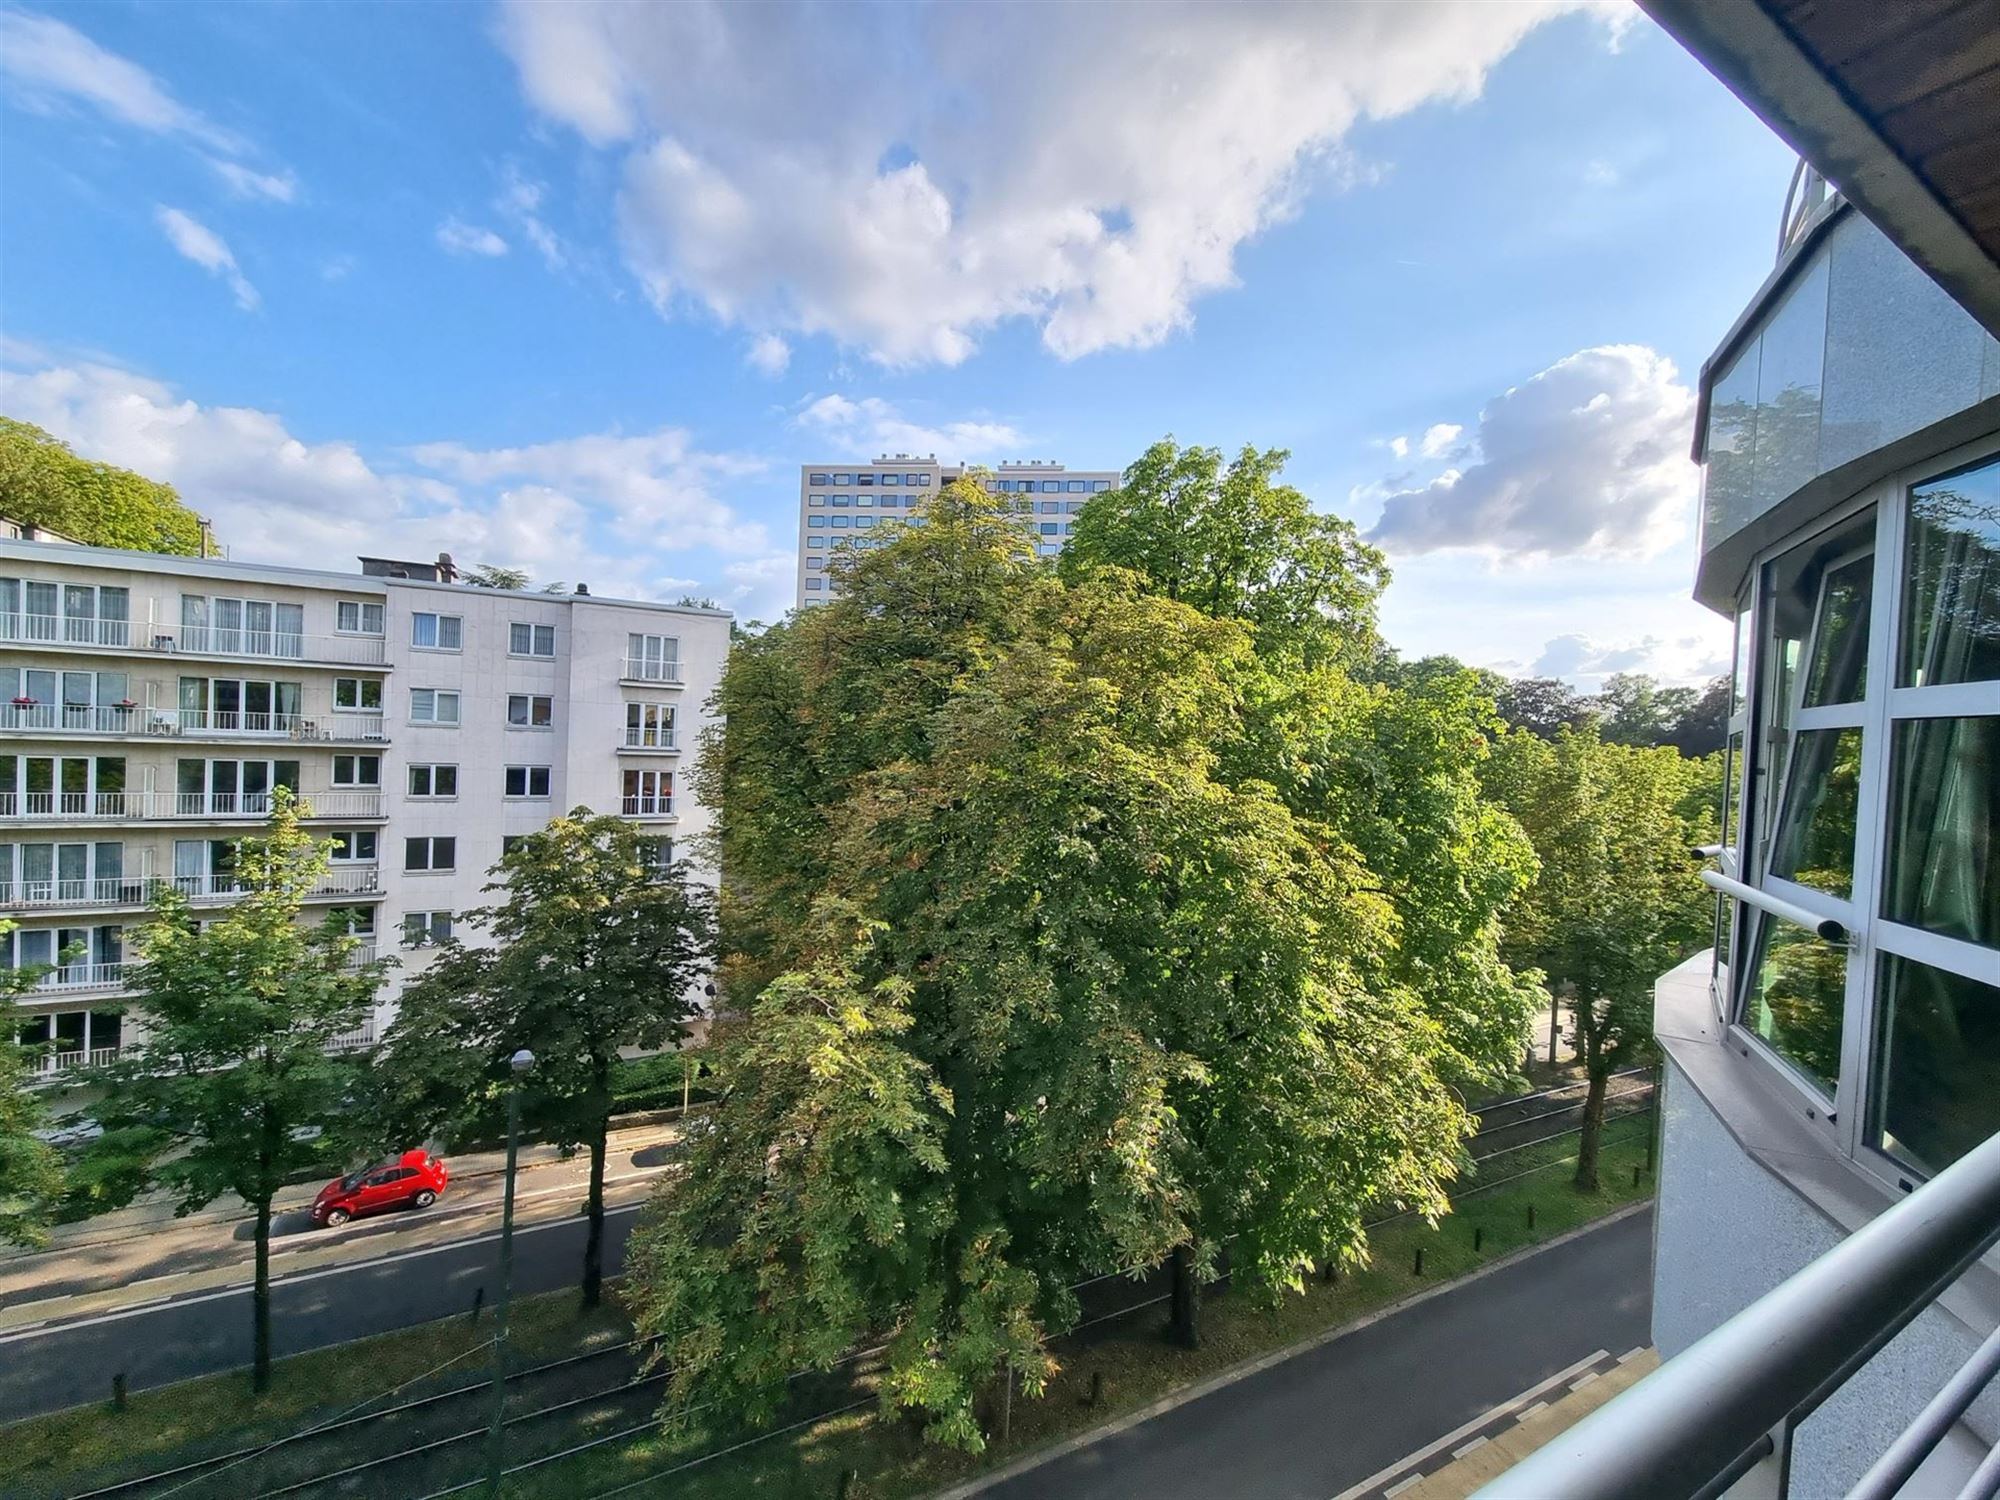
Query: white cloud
(520, 202)
(1586, 662)
(337, 267)
(52, 67)
(461, 238)
(1589, 458)
(872, 425)
(1600, 173)
(761, 588)
(202, 245)
(1437, 438)
(1400, 446)
(769, 355)
(622, 514)
(932, 203)
(246, 182)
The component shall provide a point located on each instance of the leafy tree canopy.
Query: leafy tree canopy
(31, 1170)
(43, 483)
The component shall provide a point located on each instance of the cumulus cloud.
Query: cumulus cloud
(202, 245)
(1586, 662)
(934, 201)
(769, 355)
(520, 203)
(1586, 459)
(52, 67)
(461, 238)
(623, 514)
(1438, 438)
(877, 426)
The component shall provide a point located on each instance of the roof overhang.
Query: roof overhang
(1896, 102)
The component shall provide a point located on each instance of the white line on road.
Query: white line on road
(1458, 1434)
(155, 1304)
(1402, 1484)
(1472, 1447)
(1529, 1412)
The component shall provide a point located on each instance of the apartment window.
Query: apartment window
(509, 842)
(1051, 528)
(870, 500)
(840, 521)
(363, 694)
(355, 921)
(864, 480)
(231, 787)
(655, 658)
(890, 478)
(433, 632)
(657, 855)
(45, 698)
(530, 711)
(1862, 782)
(844, 500)
(815, 585)
(816, 522)
(430, 855)
(650, 726)
(40, 873)
(78, 613)
(433, 706)
(357, 617)
(103, 949)
(433, 780)
(242, 627)
(353, 846)
(357, 770)
(816, 500)
(1075, 486)
(921, 480)
(864, 520)
(1099, 486)
(531, 640)
(527, 781)
(816, 479)
(426, 929)
(843, 479)
(1051, 486)
(649, 793)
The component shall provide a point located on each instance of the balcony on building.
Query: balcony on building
(275, 641)
(55, 807)
(32, 719)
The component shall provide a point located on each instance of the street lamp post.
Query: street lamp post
(520, 1063)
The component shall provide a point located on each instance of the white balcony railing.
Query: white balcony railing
(359, 1039)
(138, 890)
(49, 1064)
(649, 739)
(194, 640)
(70, 978)
(640, 669)
(57, 631)
(126, 719)
(72, 807)
(647, 807)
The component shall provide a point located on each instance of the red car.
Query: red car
(413, 1180)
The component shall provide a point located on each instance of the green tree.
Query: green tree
(1045, 973)
(1541, 705)
(1616, 901)
(598, 949)
(31, 1170)
(493, 576)
(44, 484)
(234, 1074)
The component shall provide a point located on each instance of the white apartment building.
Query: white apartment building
(149, 705)
(842, 503)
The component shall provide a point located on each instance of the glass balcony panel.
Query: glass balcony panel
(1944, 828)
(1951, 581)
(1815, 839)
(1937, 1084)
(1796, 996)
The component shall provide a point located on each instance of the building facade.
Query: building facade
(1841, 1045)
(841, 504)
(149, 705)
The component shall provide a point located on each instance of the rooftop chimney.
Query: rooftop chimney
(583, 588)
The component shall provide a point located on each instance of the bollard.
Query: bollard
(846, 1485)
(478, 1302)
(1478, 1237)
(1531, 1216)
(118, 1391)
(1330, 1272)
(1418, 1268)
(1096, 1388)
(1636, 1170)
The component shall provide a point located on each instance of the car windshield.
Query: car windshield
(353, 1179)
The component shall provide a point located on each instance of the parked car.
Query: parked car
(413, 1180)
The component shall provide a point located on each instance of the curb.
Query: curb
(1031, 1461)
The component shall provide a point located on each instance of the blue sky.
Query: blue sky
(576, 287)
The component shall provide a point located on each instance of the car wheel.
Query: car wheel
(424, 1199)
(335, 1217)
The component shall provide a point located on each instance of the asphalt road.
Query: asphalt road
(72, 1363)
(1311, 1427)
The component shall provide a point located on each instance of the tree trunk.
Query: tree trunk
(260, 1304)
(1185, 1326)
(1590, 1138)
(593, 1244)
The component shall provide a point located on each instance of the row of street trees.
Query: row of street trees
(1137, 912)
(239, 1087)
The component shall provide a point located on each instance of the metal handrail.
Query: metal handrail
(1889, 1473)
(1697, 1418)
(1830, 928)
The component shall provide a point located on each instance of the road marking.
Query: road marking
(1631, 1354)
(1577, 1385)
(1459, 1434)
(1471, 1447)
(136, 1309)
(1396, 1489)
(1533, 1411)
(1264, 1362)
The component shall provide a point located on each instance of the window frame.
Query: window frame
(430, 770)
(361, 608)
(437, 696)
(438, 617)
(530, 700)
(528, 776)
(430, 843)
(534, 640)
